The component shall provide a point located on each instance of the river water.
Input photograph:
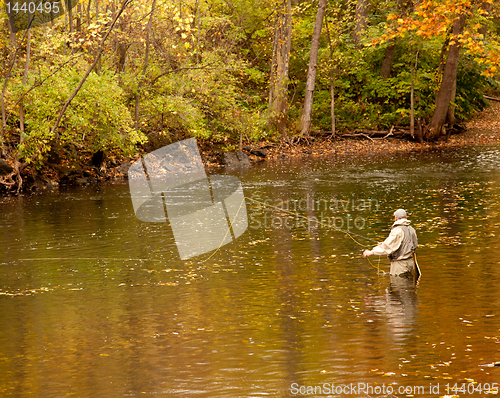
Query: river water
(95, 303)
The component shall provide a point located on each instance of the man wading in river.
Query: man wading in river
(399, 246)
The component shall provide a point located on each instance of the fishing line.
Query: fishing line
(227, 232)
(348, 233)
(89, 258)
(296, 214)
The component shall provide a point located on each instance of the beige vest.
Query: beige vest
(408, 245)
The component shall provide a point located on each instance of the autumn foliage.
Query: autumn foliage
(231, 71)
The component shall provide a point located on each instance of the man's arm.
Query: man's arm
(388, 246)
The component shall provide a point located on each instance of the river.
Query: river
(95, 303)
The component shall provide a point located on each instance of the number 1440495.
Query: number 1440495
(33, 7)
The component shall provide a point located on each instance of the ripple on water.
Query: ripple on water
(100, 304)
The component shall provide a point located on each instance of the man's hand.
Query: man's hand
(367, 253)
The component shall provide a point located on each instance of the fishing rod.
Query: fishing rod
(349, 233)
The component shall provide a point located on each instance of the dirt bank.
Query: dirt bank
(483, 129)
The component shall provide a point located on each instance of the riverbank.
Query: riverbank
(483, 129)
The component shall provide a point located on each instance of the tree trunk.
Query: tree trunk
(412, 96)
(13, 47)
(332, 82)
(98, 66)
(361, 17)
(197, 32)
(278, 92)
(145, 67)
(403, 7)
(69, 10)
(390, 51)
(450, 116)
(332, 103)
(420, 136)
(11, 25)
(121, 49)
(412, 103)
(88, 11)
(122, 45)
(78, 17)
(444, 48)
(305, 120)
(25, 81)
(486, 6)
(444, 96)
(17, 166)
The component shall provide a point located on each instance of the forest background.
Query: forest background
(111, 77)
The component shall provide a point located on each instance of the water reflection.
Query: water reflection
(401, 307)
(96, 303)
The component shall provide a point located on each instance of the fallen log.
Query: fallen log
(379, 135)
(396, 132)
(491, 98)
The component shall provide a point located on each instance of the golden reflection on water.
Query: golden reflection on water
(279, 307)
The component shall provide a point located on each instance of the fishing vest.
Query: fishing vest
(408, 245)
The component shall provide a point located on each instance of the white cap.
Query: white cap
(400, 213)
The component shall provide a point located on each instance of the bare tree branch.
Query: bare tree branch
(53, 131)
(189, 68)
(4, 88)
(145, 67)
(40, 82)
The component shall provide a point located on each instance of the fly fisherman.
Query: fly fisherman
(399, 246)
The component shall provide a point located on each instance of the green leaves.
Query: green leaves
(97, 118)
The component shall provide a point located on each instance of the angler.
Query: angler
(399, 246)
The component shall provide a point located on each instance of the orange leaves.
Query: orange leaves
(430, 18)
(433, 19)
